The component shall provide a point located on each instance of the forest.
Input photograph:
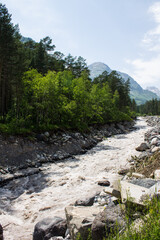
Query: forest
(151, 107)
(41, 89)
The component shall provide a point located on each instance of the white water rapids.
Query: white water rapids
(25, 201)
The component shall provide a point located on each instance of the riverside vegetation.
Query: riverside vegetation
(41, 89)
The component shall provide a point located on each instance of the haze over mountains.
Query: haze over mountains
(154, 89)
(137, 92)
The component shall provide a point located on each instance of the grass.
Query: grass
(149, 229)
(146, 227)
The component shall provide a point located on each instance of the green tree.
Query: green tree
(6, 52)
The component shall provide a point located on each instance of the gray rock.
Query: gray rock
(79, 219)
(142, 147)
(123, 171)
(85, 202)
(47, 134)
(104, 183)
(106, 222)
(40, 137)
(50, 227)
(121, 127)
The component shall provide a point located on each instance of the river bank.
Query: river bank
(27, 200)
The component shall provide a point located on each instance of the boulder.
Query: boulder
(107, 221)
(49, 227)
(113, 192)
(79, 220)
(142, 147)
(123, 171)
(86, 201)
(139, 190)
(104, 183)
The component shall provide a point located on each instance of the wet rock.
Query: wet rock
(107, 221)
(49, 227)
(85, 202)
(142, 147)
(104, 183)
(123, 171)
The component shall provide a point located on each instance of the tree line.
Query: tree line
(151, 107)
(40, 88)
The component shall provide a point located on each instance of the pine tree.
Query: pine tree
(6, 52)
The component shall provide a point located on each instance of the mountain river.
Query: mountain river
(25, 201)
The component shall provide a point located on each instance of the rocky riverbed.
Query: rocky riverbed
(52, 185)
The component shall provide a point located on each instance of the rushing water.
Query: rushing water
(28, 200)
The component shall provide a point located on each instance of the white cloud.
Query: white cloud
(146, 71)
(155, 10)
(151, 38)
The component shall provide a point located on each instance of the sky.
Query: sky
(124, 34)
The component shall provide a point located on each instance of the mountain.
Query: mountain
(26, 39)
(136, 91)
(154, 90)
(98, 68)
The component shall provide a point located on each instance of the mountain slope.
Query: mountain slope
(154, 90)
(137, 92)
(26, 39)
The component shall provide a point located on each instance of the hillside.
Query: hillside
(154, 90)
(137, 92)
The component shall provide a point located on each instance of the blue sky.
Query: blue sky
(124, 34)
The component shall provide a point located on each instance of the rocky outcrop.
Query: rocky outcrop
(18, 155)
(104, 183)
(89, 201)
(80, 219)
(50, 227)
(142, 147)
(108, 221)
(151, 138)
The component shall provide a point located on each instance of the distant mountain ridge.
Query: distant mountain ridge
(136, 91)
(26, 39)
(154, 90)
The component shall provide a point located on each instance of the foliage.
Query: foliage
(41, 89)
(151, 107)
(149, 229)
